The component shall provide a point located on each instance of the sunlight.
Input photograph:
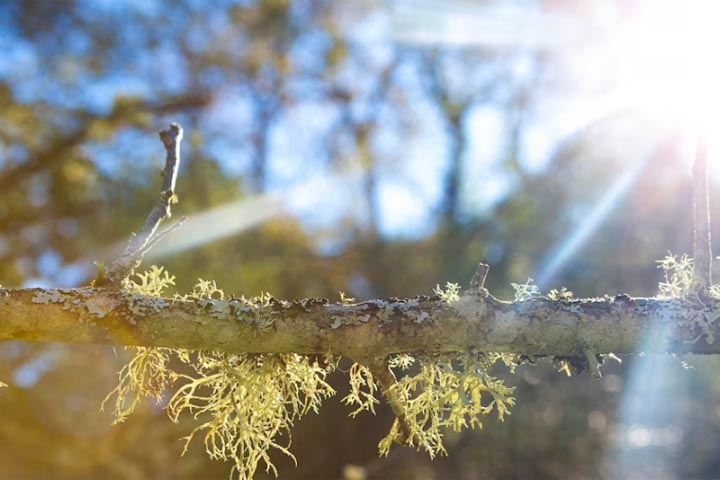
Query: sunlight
(648, 437)
(240, 215)
(560, 255)
(666, 60)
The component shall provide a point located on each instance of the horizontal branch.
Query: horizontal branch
(375, 328)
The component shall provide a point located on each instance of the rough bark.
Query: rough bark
(375, 328)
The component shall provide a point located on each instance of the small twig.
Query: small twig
(158, 237)
(702, 243)
(146, 238)
(477, 282)
(592, 362)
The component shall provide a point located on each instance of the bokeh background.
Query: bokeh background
(375, 148)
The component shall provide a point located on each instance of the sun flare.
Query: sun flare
(668, 60)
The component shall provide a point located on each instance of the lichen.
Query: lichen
(142, 292)
(450, 391)
(526, 291)
(678, 276)
(678, 272)
(145, 375)
(562, 295)
(418, 317)
(142, 305)
(250, 401)
(450, 294)
(363, 390)
(49, 296)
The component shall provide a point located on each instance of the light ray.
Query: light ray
(215, 224)
(561, 254)
(245, 213)
(649, 433)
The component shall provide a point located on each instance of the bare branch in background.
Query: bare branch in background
(702, 242)
(140, 243)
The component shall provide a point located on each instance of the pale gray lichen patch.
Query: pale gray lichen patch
(343, 320)
(261, 314)
(574, 308)
(97, 308)
(410, 309)
(83, 292)
(142, 305)
(418, 317)
(50, 296)
(641, 305)
(695, 320)
(220, 310)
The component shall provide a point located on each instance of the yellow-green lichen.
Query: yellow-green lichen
(248, 402)
(448, 392)
(526, 291)
(142, 292)
(363, 390)
(145, 375)
(451, 292)
(562, 295)
(679, 278)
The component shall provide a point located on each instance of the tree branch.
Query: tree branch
(702, 242)
(379, 328)
(140, 243)
(477, 321)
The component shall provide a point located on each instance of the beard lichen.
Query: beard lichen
(449, 392)
(246, 403)
(363, 390)
(526, 291)
(450, 294)
(679, 283)
(678, 276)
(145, 375)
